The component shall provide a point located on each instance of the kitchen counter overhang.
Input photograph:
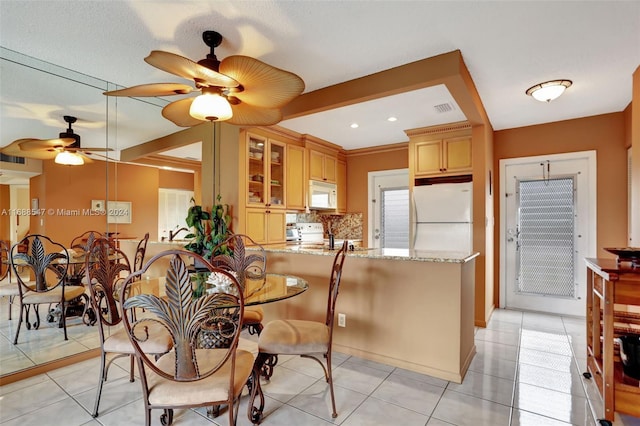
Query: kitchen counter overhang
(410, 309)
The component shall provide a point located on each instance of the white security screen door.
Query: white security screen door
(546, 234)
(389, 209)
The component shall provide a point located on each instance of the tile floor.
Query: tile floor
(527, 372)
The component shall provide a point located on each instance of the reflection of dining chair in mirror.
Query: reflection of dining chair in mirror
(304, 338)
(79, 247)
(105, 277)
(189, 376)
(8, 288)
(141, 250)
(231, 255)
(48, 263)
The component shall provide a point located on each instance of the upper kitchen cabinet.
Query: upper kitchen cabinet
(323, 159)
(322, 166)
(434, 151)
(341, 183)
(295, 181)
(266, 159)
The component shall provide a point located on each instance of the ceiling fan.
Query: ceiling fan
(65, 149)
(239, 89)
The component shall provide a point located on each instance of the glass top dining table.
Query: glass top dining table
(256, 292)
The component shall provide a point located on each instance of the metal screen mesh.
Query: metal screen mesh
(395, 218)
(545, 255)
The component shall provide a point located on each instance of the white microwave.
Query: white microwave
(322, 195)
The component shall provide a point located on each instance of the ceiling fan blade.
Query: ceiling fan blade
(83, 149)
(249, 115)
(264, 85)
(14, 150)
(154, 89)
(43, 144)
(178, 113)
(186, 68)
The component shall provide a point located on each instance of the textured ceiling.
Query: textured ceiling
(507, 46)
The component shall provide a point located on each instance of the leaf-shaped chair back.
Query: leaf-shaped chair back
(183, 316)
(83, 242)
(106, 268)
(5, 268)
(141, 251)
(334, 285)
(46, 260)
(249, 264)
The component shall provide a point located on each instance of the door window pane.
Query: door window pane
(395, 218)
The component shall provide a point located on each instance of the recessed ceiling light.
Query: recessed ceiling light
(392, 119)
(354, 125)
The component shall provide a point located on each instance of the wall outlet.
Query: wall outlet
(342, 320)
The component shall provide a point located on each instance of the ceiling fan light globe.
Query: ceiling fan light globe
(69, 159)
(210, 107)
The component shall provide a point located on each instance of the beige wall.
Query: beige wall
(72, 188)
(359, 164)
(603, 133)
(635, 161)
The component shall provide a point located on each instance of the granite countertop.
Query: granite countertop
(380, 253)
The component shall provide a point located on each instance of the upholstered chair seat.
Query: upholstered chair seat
(199, 392)
(294, 337)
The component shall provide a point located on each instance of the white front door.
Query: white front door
(548, 228)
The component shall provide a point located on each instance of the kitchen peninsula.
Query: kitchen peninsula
(408, 308)
(412, 309)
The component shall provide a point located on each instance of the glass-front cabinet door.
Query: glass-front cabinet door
(266, 172)
(276, 174)
(257, 189)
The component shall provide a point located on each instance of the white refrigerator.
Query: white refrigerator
(442, 217)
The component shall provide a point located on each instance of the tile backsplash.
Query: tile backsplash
(347, 226)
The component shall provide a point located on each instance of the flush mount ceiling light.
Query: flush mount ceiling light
(354, 125)
(69, 158)
(392, 119)
(549, 90)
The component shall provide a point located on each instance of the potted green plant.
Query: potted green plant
(208, 228)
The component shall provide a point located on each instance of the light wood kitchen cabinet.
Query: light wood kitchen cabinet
(341, 183)
(295, 179)
(266, 160)
(266, 226)
(322, 166)
(444, 156)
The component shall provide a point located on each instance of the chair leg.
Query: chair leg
(63, 317)
(22, 308)
(131, 363)
(330, 381)
(103, 378)
(10, 306)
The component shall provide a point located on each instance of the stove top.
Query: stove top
(311, 232)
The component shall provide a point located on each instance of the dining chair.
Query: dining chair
(48, 263)
(8, 289)
(232, 256)
(141, 251)
(105, 276)
(188, 376)
(302, 337)
(79, 247)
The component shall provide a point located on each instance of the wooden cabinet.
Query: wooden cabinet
(265, 226)
(322, 166)
(266, 159)
(444, 156)
(611, 290)
(341, 183)
(295, 178)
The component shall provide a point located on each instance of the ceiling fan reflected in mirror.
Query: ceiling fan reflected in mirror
(65, 149)
(240, 90)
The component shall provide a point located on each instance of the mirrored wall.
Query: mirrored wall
(70, 200)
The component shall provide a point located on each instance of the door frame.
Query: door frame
(591, 239)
